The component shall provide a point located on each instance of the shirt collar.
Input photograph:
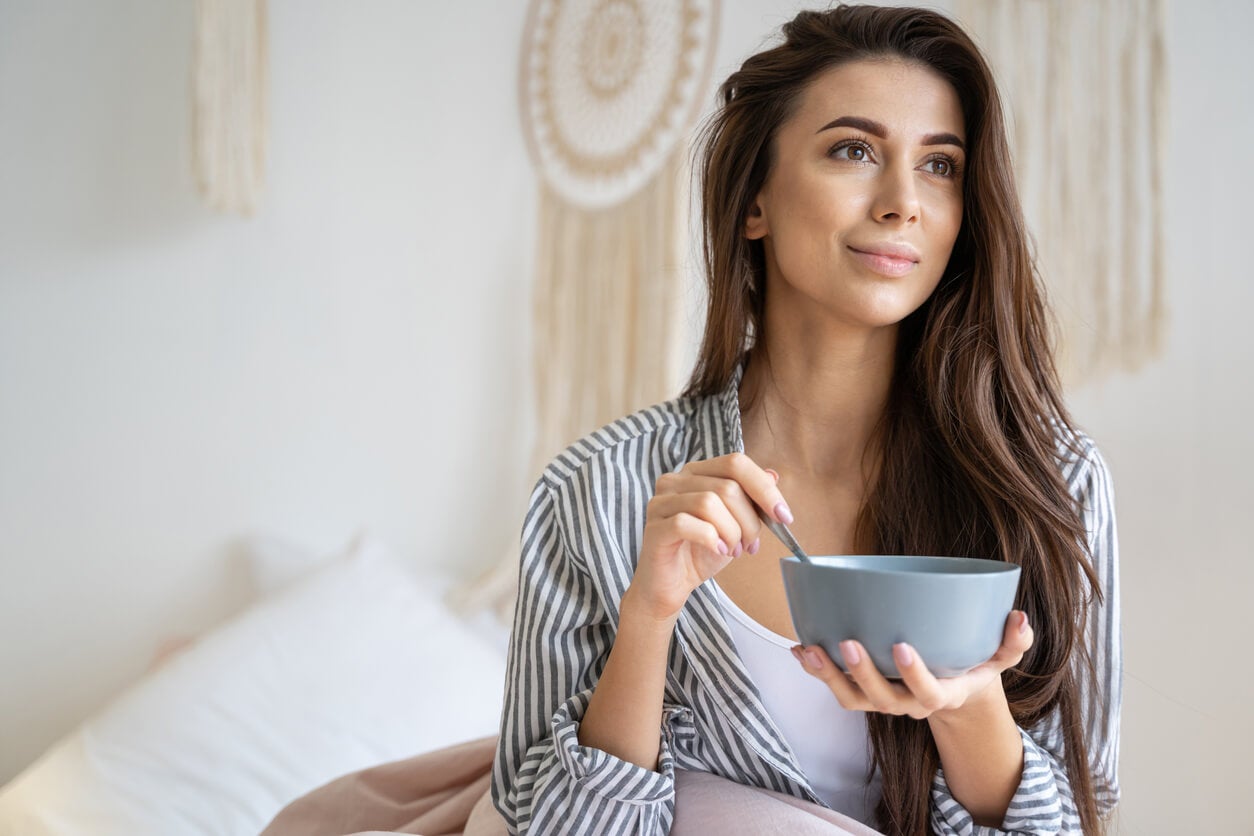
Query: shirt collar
(719, 423)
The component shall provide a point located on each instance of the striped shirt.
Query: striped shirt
(580, 541)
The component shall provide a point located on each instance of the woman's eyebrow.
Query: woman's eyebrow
(873, 127)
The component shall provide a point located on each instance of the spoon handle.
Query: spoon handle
(785, 536)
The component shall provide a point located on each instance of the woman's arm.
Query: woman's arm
(699, 519)
(1043, 802)
(543, 779)
(625, 712)
(1102, 697)
(616, 775)
(969, 793)
(982, 754)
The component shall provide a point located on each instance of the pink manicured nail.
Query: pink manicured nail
(1023, 625)
(850, 651)
(755, 545)
(722, 548)
(796, 653)
(738, 550)
(783, 514)
(902, 655)
(812, 660)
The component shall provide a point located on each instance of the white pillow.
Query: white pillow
(276, 562)
(354, 665)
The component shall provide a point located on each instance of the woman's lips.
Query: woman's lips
(885, 265)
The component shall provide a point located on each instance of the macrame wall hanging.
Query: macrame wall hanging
(229, 103)
(608, 90)
(1085, 84)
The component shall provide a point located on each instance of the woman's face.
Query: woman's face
(870, 163)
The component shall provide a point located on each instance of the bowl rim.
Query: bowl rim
(992, 567)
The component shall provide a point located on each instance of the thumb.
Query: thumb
(1016, 640)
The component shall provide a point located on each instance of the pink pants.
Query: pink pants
(445, 793)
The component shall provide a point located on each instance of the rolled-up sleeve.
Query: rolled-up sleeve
(1043, 803)
(543, 780)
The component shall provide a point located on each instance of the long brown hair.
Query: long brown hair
(969, 436)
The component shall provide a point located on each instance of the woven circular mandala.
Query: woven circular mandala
(609, 87)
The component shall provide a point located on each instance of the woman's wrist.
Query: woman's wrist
(644, 616)
(977, 711)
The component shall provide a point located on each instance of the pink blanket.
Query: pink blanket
(445, 793)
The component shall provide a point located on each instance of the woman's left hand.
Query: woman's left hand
(919, 694)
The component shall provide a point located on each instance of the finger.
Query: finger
(928, 694)
(684, 527)
(884, 696)
(757, 483)
(703, 505)
(818, 664)
(736, 500)
(1016, 639)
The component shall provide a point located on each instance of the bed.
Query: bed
(343, 662)
(348, 674)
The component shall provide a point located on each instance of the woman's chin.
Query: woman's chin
(887, 305)
(864, 300)
(879, 313)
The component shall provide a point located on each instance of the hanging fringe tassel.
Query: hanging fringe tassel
(1085, 85)
(607, 308)
(229, 113)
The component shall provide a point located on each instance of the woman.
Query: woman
(876, 351)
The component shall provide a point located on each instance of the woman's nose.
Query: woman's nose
(898, 199)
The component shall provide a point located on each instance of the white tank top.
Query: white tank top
(830, 743)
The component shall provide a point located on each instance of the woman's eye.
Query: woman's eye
(856, 153)
(943, 167)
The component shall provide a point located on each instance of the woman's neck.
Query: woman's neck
(813, 408)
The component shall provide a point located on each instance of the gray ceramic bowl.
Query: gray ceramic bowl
(952, 610)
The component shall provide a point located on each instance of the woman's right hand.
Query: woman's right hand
(700, 519)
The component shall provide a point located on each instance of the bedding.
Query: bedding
(447, 793)
(350, 696)
(347, 664)
(443, 792)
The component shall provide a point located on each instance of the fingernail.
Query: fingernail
(783, 514)
(812, 660)
(902, 655)
(737, 552)
(796, 653)
(850, 651)
(755, 545)
(722, 548)
(1023, 624)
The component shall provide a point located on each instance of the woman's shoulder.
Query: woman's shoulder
(1079, 459)
(669, 424)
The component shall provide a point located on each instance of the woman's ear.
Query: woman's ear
(755, 224)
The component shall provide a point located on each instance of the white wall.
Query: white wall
(358, 353)
(1178, 440)
(172, 380)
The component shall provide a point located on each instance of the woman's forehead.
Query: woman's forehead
(908, 98)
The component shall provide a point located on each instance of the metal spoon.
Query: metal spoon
(785, 536)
